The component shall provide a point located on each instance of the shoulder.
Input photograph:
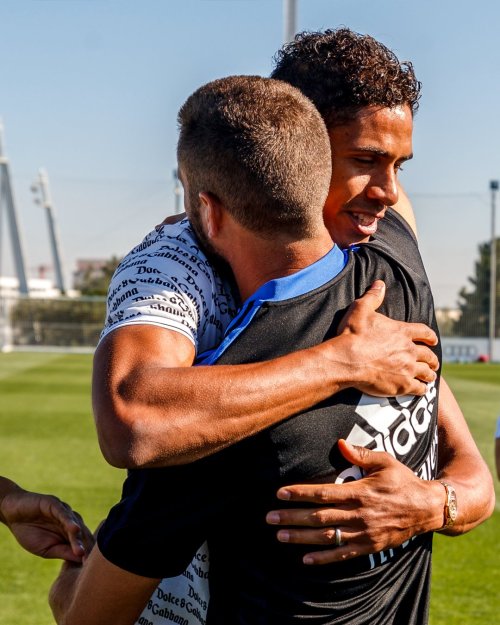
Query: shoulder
(166, 247)
(394, 227)
(396, 240)
(167, 280)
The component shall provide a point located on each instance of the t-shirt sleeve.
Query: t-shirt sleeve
(497, 431)
(161, 520)
(159, 283)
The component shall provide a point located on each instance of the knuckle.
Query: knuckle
(323, 495)
(58, 506)
(321, 517)
(418, 389)
(375, 545)
(363, 452)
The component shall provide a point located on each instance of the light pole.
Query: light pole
(493, 272)
(289, 20)
(7, 197)
(41, 191)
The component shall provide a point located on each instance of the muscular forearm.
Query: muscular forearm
(162, 415)
(461, 464)
(150, 412)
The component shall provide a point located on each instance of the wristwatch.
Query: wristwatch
(450, 506)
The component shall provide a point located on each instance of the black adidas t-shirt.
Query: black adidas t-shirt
(165, 514)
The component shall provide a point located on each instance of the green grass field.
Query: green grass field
(48, 444)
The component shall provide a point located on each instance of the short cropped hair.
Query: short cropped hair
(342, 71)
(261, 148)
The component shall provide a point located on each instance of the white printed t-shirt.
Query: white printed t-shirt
(167, 281)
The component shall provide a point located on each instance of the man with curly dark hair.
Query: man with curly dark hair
(368, 98)
(361, 90)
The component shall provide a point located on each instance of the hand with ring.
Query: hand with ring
(383, 509)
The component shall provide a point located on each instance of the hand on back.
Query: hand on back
(387, 357)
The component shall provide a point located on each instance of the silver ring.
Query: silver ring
(338, 537)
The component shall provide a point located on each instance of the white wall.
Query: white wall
(464, 349)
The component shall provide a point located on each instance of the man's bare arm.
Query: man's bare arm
(461, 464)
(391, 504)
(153, 408)
(98, 593)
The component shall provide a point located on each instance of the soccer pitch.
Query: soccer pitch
(48, 444)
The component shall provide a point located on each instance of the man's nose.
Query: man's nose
(384, 188)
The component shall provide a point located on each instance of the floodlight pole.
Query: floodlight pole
(289, 20)
(493, 272)
(6, 195)
(43, 183)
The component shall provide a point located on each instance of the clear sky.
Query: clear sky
(89, 89)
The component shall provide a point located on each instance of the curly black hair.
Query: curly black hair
(342, 71)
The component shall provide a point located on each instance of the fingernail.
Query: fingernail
(308, 560)
(273, 518)
(284, 494)
(283, 536)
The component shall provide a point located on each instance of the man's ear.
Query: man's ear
(211, 214)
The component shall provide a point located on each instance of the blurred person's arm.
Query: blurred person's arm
(43, 524)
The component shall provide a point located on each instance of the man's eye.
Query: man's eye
(398, 167)
(364, 160)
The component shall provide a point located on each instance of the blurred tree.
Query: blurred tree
(475, 304)
(68, 322)
(95, 281)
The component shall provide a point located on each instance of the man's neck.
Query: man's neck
(257, 261)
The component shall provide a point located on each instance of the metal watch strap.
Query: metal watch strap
(450, 506)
